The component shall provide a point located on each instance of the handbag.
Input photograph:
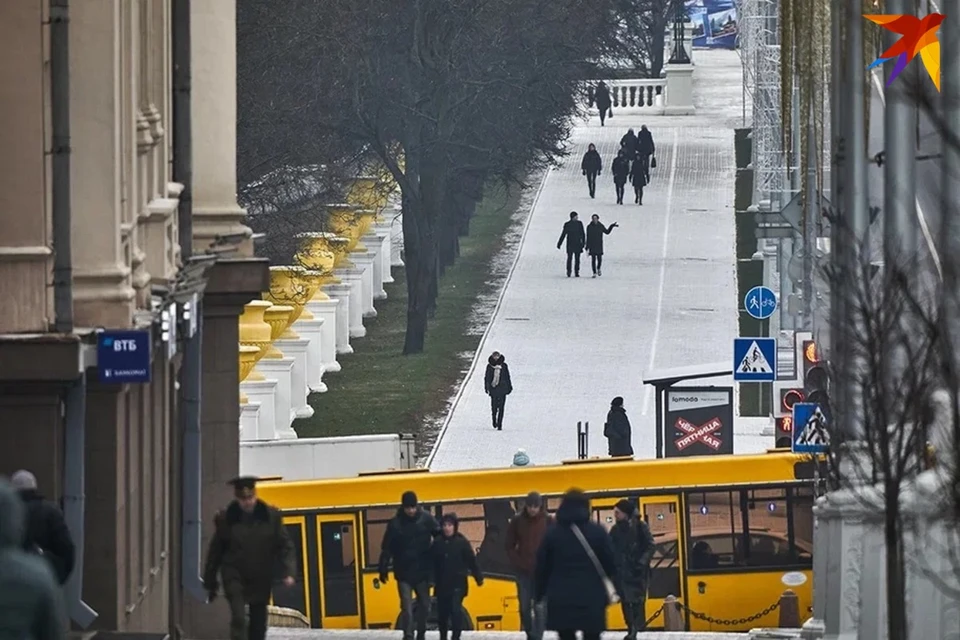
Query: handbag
(612, 596)
(653, 162)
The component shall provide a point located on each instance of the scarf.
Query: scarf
(496, 375)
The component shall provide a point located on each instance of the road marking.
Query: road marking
(921, 218)
(663, 264)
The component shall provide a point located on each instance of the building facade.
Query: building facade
(118, 464)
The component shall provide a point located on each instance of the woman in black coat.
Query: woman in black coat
(638, 178)
(453, 560)
(497, 384)
(601, 96)
(591, 166)
(565, 576)
(621, 171)
(595, 232)
(617, 430)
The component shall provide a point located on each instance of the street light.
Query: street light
(679, 53)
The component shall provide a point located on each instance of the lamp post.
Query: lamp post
(679, 53)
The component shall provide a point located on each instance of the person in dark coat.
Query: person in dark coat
(591, 165)
(595, 232)
(498, 385)
(638, 178)
(248, 543)
(576, 598)
(630, 144)
(601, 95)
(30, 602)
(617, 430)
(645, 150)
(47, 531)
(621, 171)
(524, 535)
(453, 559)
(576, 237)
(632, 548)
(408, 541)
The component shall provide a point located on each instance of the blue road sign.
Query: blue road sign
(810, 433)
(123, 356)
(760, 302)
(755, 359)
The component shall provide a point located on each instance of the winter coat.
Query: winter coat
(246, 550)
(630, 144)
(408, 542)
(620, 170)
(591, 163)
(595, 233)
(47, 531)
(638, 177)
(601, 95)
(573, 232)
(504, 386)
(30, 601)
(617, 432)
(645, 144)
(524, 535)
(453, 559)
(632, 549)
(565, 575)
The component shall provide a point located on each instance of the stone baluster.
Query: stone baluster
(256, 333)
(275, 365)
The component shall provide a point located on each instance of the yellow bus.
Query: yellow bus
(732, 533)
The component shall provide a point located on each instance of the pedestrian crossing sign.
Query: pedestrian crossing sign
(810, 433)
(755, 359)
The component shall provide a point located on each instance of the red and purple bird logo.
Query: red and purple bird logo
(919, 36)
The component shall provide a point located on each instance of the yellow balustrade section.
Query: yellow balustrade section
(278, 317)
(248, 359)
(255, 332)
(323, 251)
(290, 286)
(351, 222)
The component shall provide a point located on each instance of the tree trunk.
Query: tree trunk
(658, 40)
(420, 262)
(896, 580)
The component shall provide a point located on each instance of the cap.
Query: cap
(23, 479)
(626, 506)
(533, 499)
(618, 401)
(244, 486)
(520, 458)
(409, 499)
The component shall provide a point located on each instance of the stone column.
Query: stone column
(385, 233)
(296, 348)
(213, 58)
(312, 330)
(374, 242)
(280, 369)
(339, 292)
(352, 277)
(323, 307)
(679, 90)
(263, 393)
(365, 259)
(249, 419)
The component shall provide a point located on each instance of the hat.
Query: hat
(520, 458)
(23, 479)
(618, 401)
(244, 486)
(626, 506)
(533, 499)
(409, 499)
(451, 518)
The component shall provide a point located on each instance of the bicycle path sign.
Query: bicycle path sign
(760, 302)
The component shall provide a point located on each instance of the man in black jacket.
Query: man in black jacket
(645, 149)
(576, 238)
(47, 533)
(591, 165)
(408, 541)
(633, 549)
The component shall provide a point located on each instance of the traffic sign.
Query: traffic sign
(123, 356)
(755, 359)
(760, 302)
(810, 433)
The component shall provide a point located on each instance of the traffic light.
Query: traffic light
(783, 431)
(816, 378)
(810, 356)
(790, 397)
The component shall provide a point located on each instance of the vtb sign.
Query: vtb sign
(124, 356)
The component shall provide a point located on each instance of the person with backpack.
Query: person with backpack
(453, 560)
(46, 530)
(591, 166)
(633, 547)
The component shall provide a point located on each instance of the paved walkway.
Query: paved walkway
(666, 298)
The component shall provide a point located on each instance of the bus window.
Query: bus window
(484, 524)
(801, 511)
(767, 519)
(294, 597)
(604, 517)
(716, 530)
(375, 524)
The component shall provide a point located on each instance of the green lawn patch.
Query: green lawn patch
(381, 391)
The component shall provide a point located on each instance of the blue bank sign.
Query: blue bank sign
(123, 356)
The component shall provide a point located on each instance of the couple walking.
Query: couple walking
(578, 240)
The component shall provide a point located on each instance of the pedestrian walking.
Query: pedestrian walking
(617, 430)
(575, 569)
(524, 535)
(621, 172)
(591, 165)
(498, 385)
(408, 542)
(630, 144)
(601, 96)
(46, 529)
(632, 550)
(595, 232)
(249, 542)
(453, 560)
(645, 151)
(30, 602)
(638, 178)
(576, 237)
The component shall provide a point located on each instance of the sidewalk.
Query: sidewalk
(667, 296)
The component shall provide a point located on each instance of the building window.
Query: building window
(716, 530)
(484, 524)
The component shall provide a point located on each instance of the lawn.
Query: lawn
(379, 390)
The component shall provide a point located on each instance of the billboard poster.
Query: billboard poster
(714, 23)
(699, 421)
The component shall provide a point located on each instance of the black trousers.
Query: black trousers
(242, 629)
(497, 402)
(414, 617)
(574, 258)
(568, 634)
(596, 261)
(603, 114)
(645, 163)
(638, 191)
(635, 615)
(592, 183)
(620, 190)
(450, 612)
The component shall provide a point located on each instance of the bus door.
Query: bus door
(662, 515)
(338, 572)
(296, 597)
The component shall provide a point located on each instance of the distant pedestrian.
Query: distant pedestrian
(30, 602)
(595, 233)
(521, 459)
(575, 569)
(633, 549)
(638, 178)
(47, 532)
(621, 171)
(617, 430)
(601, 96)
(576, 237)
(249, 541)
(524, 535)
(453, 560)
(591, 166)
(645, 150)
(408, 542)
(630, 144)
(498, 385)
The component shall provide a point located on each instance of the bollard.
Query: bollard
(672, 618)
(789, 610)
